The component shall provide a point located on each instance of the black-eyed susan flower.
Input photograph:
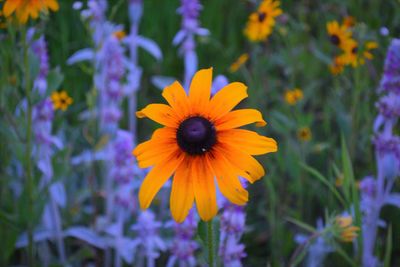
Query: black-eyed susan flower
(28, 8)
(345, 230)
(61, 100)
(304, 134)
(261, 23)
(339, 35)
(352, 56)
(239, 62)
(293, 96)
(200, 145)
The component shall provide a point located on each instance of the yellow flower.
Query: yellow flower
(355, 58)
(239, 62)
(347, 232)
(349, 21)
(119, 35)
(293, 96)
(304, 134)
(28, 8)
(261, 23)
(61, 100)
(337, 66)
(338, 35)
(200, 145)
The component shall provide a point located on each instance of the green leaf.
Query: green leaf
(351, 185)
(325, 181)
(389, 245)
(54, 80)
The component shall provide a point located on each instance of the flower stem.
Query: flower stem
(210, 243)
(28, 152)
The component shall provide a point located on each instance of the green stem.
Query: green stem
(28, 152)
(210, 243)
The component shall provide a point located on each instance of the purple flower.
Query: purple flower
(389, 105)
(183, 245)
(150, 243)
(232, 226)
(391, 75)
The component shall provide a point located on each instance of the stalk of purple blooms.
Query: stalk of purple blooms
(183, 246)
(377, 191)
(190, 10)
(44, 146)
(232, 226)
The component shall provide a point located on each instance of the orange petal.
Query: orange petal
(177, 99)
(182, 195)
(250, 168)
(238, 118)
(200, 90)
(157, 177)
(204, 189)
(227, 98)
(10, 6)
(228, 181)
(160, 113)
(162, 143)
(248, 141)
(52, 4)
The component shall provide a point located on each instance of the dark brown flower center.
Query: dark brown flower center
(196, 135)
(262, 16)
(354, 50)
(335, 39)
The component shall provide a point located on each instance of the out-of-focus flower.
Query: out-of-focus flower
(339, 35)
(28, 8)
(293, 96)
(149, 241)
(232, 227)
(261, 23)
(352, 56)
(61, 100)
(239, 62)
(77, 5)
(391, 74)
(190, 10)
(183, 147)
(39, 48)
(384, 31)
(183, 245)
(119, 34)
(304, 134)
(349, 21)
(337, 66)
(347, 232)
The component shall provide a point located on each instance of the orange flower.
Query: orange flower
(200, 145)
(28, 8)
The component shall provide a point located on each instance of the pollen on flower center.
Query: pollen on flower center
(196, 135)
(335, 39)
(261, 16)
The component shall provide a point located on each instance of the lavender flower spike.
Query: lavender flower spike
(375, 193)
(150, 243)
(232, 227)
(190, 10)
(183, 246)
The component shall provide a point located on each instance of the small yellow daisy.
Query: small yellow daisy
(61, 100)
